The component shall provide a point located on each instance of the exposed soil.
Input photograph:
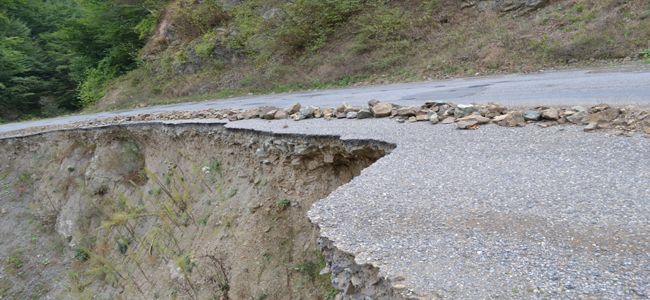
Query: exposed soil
(168, 211)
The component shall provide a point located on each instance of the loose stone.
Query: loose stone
(448, 120)
(532, 115)
(467, 124)
(462, 110)
(434, 118)
(364, 114)
(381, 109)
(294, 108)
(551, 114)
(511, 119)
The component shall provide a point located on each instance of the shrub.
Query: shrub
(382, 25)
(645, 55)
(15, 261)
(185, 263)
(93, 87)
(194, 18)
(283, 204)
(82, 254)
(205, 46)
(147, 25)
(247, 21)
(308, 23)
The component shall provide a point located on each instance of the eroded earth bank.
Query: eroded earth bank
(175, 211)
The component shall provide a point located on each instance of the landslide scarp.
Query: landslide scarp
(168, 211)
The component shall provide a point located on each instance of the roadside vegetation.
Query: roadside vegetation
(58, 56)
(117, 54)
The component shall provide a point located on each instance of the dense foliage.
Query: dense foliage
(57, 56)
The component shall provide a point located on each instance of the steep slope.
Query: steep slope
(171, 212)
(219, 48)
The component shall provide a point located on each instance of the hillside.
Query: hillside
(116, 54)
(220, 48)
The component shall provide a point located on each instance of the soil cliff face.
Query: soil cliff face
(161, 211)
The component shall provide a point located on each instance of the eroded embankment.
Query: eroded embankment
(174, 211)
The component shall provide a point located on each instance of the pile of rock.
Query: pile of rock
(465, 116)
(622, 120)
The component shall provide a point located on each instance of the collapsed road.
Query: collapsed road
(498, 212)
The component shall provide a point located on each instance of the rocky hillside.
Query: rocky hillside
(217, 48)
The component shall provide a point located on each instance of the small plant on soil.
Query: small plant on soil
(330, 294)
(185, 263)
(23, 183)
(262, 296)
(215, 167)
(308, 268)
(645, 55)
(217, 273)
(82, 254)
(283, 204)
(204, 220)
(76, 285)
(15, 262)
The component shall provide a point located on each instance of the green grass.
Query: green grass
(15, 261)
(82, 254)
(645, 55)
(330, 294)
(5, 287)
(283, 204)
(204, 220)
(185, 263)
(310, 269)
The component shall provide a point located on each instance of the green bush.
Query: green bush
(195, 18)
(185, 263)
(82, 254)
(94, 86)
(283, 204)
(383, 24)
(645, 55)
(147, 25)
(308, 23)
(15, 261)
(206, 45)
(247, 21)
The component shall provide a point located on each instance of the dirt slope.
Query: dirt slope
(152, 211)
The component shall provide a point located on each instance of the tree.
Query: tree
(57, 56)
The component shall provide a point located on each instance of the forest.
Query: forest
(55, 55)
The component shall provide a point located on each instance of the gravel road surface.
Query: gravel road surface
(496, 212)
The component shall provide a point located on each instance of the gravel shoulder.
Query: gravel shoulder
(493, 213)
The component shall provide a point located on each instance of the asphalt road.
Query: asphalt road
(493, 213)
(621, 85)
